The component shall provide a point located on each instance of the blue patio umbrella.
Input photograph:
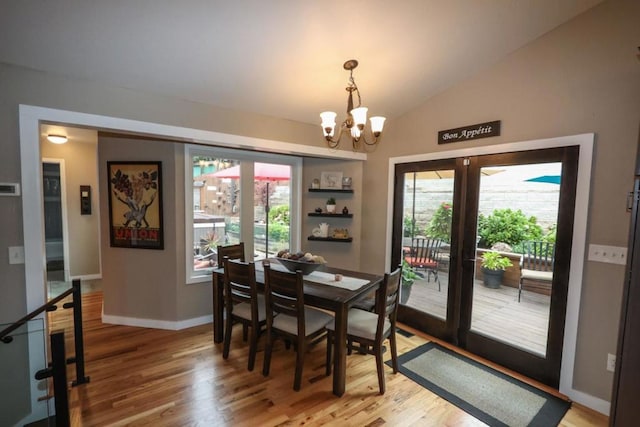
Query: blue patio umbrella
(548, 179)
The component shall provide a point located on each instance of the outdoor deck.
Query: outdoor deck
(496, 312)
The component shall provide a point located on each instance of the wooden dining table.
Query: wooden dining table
(332, 298)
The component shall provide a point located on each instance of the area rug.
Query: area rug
(489, 395)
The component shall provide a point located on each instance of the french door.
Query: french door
(490, 203)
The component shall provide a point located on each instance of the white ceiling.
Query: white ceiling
(278, 57)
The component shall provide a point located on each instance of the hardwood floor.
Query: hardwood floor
(178, 378)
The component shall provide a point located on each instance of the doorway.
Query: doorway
(497, 204)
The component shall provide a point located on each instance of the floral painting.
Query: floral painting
(135, 205)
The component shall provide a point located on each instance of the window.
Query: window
(234, 196)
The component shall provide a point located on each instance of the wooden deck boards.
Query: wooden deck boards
(496, 312)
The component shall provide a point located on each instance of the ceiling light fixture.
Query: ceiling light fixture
(356, 118)
(57, 139)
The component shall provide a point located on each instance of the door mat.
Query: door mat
(489, 395)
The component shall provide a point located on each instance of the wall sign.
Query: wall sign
(465, 133)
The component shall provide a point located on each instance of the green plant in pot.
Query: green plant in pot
(493, 268)
(331, 205)
(409, 276)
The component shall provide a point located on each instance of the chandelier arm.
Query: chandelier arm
(364, 139)
(335, 142)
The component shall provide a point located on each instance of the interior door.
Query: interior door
(510, 197)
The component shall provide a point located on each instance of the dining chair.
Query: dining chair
(243, 305)
(536, 265)
(370, 330)
(424, 254)
(288, 318)
(232, 251)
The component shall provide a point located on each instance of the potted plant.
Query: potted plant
(493, 267)
(331, 205)
(409, 276)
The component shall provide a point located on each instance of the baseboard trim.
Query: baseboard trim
(585, 399)
(156, 324)
(86, 277)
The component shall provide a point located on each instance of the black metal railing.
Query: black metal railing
(57, 368)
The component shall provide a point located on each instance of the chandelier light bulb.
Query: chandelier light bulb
(359, 116)
(377, 123)
(328, 122)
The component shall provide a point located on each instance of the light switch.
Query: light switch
(608, 254)
(16, 254)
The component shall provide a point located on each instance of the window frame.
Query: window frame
(247, 158)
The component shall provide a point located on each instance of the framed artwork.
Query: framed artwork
(331, 180)
(135, 205)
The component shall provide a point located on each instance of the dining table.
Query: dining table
(321, 290)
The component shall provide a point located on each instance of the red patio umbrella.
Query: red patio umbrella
(261, 172)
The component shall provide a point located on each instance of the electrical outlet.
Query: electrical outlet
(611, 362)
(608, 254)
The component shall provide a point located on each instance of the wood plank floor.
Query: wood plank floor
(150, 377)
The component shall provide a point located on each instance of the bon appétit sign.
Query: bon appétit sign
(465, 133)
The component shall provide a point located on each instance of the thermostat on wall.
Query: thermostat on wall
(9, 189)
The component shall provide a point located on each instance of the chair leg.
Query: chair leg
(245, 333)
(329, 353)
(380, 368)
(299, 365)
(266, 364)
(394, 350)
(519, 289)
(227, 336)
(253, 347)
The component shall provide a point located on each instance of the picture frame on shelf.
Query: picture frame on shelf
(331, 180)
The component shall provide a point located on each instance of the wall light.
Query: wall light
(57, 139)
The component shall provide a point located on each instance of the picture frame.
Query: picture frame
(135, 204)
(331, 180)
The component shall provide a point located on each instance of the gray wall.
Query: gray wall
(582, 77)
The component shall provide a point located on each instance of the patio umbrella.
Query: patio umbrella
(261, 172)
(548, 179)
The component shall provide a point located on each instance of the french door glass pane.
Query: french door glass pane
(216, 208)
(427, 213)
(272, 207)
(517, 205)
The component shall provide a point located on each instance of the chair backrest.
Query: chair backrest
(284, 294)
(231, 251)
(387, 298)
(538, 255)
(240, 284)
(425, 249)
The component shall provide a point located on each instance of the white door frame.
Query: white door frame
(586, 144)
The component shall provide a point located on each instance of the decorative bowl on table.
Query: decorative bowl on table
(305, 266)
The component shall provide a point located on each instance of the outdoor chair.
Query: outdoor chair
(424, 254)
(370, 330)
(289, 319)
(243, 305)
(536, 265)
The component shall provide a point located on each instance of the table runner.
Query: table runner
(350, 283)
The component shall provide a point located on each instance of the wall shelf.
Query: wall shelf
(330, 190)
(330, 239)
(330, 215)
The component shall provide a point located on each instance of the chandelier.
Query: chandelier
(356, 118)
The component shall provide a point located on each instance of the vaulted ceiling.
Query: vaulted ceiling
(282, 58)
